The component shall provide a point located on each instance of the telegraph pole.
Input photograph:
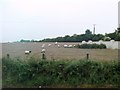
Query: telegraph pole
(119, 14)
(94, 28)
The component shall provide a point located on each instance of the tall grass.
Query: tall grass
(34, 73)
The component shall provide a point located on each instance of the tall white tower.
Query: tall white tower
(94, 28)
(119, 14)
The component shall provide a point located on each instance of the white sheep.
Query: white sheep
(70, 46)
(49, 45)
(43, 51)
(27, 52)
(43, 45)
(65, 46)
(58, 46)
(56, 43)
(74, 45)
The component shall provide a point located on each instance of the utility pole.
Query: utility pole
(119, 14)
(94, 28)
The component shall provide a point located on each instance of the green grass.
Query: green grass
(48, 73)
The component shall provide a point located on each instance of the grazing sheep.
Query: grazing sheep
(56, 43)
(58, 46)
(65, 46)
(70, 46)
(74, 45)
(49, 45)
(43, 45)
(27, 52)
(43, 51)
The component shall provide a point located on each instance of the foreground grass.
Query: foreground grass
(47, 73)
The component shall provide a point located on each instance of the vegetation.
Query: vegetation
(92, 46)
(82, 37)
(48, 73)
(115, 35)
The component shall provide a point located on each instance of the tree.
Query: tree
(88, 32)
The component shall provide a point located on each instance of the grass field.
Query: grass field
(53, 52)
(64, 67)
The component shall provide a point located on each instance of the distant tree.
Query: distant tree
(111, 35)
(97, 37)
(118, 29)
(67, 38)
(88, 32)
(32, 40)
(86, 37)
(24, 40)
(115, 35)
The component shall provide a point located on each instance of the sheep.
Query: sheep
(27, 52)
(49, 45)
(65, 46)
(56, 43)
(43, 45)
(74, 45)
(43, 51)
(58, 46)
(70, 46)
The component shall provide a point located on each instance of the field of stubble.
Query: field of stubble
(53, 52)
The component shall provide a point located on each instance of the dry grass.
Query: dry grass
(53, 52)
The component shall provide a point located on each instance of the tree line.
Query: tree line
(82, 37)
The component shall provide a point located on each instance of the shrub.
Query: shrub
(34, 73)
(92, 46)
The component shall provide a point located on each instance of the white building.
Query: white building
(119, 14)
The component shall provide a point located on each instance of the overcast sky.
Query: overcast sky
(39, 19)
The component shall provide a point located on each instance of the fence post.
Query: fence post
(87, 56)
(43, 56)
(8, 56)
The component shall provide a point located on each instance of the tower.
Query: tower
(119, 14)
(94, 28)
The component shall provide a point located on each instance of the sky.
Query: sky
(39, 19)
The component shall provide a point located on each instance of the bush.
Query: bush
(92, 46)
(34, 73)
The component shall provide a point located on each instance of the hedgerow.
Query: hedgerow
(34, 73)
(92, 46)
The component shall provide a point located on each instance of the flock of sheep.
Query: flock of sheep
(65, 45)
(49, 45)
